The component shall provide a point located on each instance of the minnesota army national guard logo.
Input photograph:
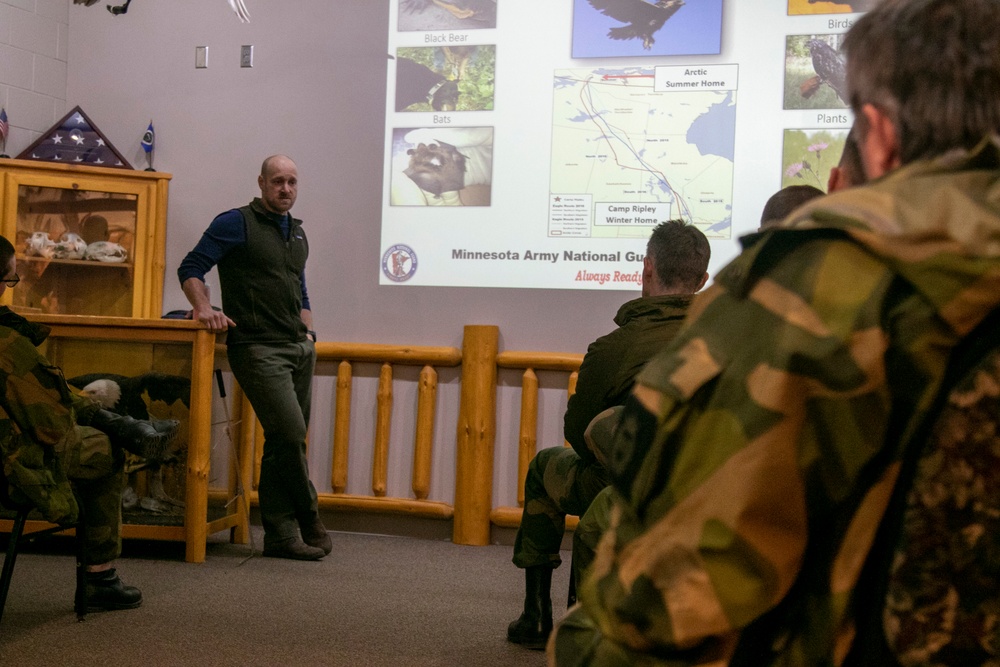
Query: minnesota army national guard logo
(399, 263)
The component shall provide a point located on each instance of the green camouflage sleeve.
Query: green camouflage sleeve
(37, 398)
(36, 428)
(777, 379)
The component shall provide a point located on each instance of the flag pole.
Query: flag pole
(4, 130)
(149, 144)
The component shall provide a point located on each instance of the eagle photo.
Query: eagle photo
(603, 28)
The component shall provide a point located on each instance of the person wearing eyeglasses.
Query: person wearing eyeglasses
(62, 453)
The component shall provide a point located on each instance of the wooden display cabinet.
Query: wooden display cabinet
(89, 240)
(131, 346)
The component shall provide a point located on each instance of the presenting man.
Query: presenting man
(261, 252)
(756, 456)
(564, 480)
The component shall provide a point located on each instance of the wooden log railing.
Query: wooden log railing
(527, 446)
(472, 512)
(249, 432)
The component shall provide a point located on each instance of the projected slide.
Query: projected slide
(603, 28)
(809, 155)
(537, 144)
(638, 155)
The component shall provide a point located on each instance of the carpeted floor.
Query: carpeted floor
(376, 601)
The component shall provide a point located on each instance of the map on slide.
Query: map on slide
(626, 157)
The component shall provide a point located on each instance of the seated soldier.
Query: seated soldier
(758, 453)
(848, 173)
(61, 452)
(563, 480)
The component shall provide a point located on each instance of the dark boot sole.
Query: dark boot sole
(114, 607)
(313, 553)
(533, 643)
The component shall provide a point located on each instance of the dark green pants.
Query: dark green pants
(96, 471)
(558, 483)
(277, 380)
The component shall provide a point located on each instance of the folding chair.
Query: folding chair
(18, 539)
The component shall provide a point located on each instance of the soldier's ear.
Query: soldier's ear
(879, 146)
(647, 267)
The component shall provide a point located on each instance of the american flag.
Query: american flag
(74, 139)
(4, 127)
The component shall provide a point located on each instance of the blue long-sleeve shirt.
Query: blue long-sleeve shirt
(225, 233)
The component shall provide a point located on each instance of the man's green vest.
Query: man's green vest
(261, 288)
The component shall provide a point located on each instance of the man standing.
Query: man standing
(756, 456)
(261, 252)
(564, 480)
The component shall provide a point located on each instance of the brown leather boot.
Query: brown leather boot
(314, 534)
(293, 548)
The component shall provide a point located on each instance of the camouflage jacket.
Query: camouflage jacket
(38, 414)
(608, 370)
(748, 499)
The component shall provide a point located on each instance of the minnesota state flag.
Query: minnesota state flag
(148, 138)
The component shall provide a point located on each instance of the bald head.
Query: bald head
(271, 161)
(279, 183)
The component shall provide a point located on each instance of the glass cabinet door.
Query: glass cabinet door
(75, 251)
(90, 240)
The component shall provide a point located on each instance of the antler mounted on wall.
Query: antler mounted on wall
(237, 5)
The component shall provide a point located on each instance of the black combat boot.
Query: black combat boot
(148, 439)
(532, 627)
(107, 592)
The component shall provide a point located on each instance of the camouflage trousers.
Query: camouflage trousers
(588, 532)
(558, 483)
(96, 471)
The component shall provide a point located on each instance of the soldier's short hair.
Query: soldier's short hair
(680, 253)
(6, 251)
(784, 201)
(932, 66)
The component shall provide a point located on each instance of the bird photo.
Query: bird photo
(798, 7)
(608, 28)
(815, 75)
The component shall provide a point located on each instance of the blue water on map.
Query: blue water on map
(714, 132)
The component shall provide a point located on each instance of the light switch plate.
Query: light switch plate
(200, 57)
(246, 55)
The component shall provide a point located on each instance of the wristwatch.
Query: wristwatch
(313, 334)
